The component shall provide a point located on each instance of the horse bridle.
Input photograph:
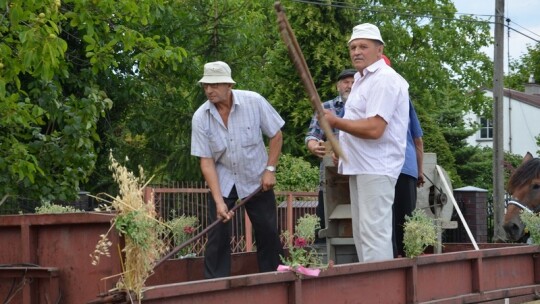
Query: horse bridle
(522, 206)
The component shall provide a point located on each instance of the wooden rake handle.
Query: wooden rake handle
(297, 57)
(205, 231)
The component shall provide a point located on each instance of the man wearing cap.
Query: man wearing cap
(227, 136)
(373, 137)
(315, 137)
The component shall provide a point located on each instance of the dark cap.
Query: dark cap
(346, 73)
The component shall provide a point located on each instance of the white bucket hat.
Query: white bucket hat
(366, 31)
(217, 72)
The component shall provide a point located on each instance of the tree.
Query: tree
(153, 129)
(128, 52)
(53, 58)
(521, 69)
(436, 52)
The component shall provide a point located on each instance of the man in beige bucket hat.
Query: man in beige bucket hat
(372, 135)
(227, 136)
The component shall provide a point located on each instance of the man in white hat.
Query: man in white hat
(227, 135)
(372, 135)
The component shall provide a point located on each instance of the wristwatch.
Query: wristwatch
(270, 168)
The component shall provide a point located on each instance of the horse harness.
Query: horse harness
(522, 206)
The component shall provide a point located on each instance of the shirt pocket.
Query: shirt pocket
(216, 144)
(250, 136)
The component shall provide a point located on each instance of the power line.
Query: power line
(525, 28)
(390, 10)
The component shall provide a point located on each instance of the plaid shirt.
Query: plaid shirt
(315, 132)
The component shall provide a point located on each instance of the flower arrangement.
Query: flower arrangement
(300, 253)
(183, 228)
(419, 233)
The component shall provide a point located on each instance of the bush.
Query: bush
(296, 174)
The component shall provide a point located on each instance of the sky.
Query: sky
(524, 17)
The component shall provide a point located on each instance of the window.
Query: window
(486, 128)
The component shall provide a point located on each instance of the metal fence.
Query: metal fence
(190, 199)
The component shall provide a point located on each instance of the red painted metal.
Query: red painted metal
(487, 275)
(62, 242)
(45, 280)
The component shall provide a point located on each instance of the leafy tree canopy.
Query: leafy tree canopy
(53, 56)
(64, 64)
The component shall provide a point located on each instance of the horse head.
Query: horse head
(524, 186)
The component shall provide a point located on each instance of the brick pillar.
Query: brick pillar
(473, 202)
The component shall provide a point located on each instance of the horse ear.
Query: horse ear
(528, 156)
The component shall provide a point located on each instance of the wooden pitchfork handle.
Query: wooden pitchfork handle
(208, 228)
(297, 57)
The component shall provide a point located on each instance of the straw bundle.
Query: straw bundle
(136, 221)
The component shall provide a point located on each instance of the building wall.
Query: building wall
(521, 126)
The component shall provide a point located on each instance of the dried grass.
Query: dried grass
(136, 221)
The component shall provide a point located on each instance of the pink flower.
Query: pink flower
(189, 230)
(300, 242)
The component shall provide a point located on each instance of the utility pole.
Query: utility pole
(498, 145)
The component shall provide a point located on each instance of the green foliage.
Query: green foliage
(521, 69)
(298, 245)
(476, 166)
(532, 224)
(53, 56)
(47, 208)
(419, 233)
(64, 64)
(296, 174)
(135, 224)
(434, 141)
(538, 144)
(182, 229)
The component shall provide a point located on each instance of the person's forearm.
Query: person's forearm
(369, 128)
(274, 149)
(208, 169)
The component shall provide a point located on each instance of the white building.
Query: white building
(521, 121)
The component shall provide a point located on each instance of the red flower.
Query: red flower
(189, 230)
(300, 242)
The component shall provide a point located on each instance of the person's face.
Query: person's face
(364, 52)
(217, 92)
(344, 87)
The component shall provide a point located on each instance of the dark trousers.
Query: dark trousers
(320, 213)
(262, 211)
(404, 204)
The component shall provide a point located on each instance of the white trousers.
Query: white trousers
(372, 197)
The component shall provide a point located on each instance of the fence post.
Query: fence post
(148, 194)
(290, 215)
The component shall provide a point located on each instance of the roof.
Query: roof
(470, 189)
(530, 99)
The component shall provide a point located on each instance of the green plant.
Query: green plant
(47, 207)
(296, 174)
(419, 233)
(136, 221)
(298, 245)
(532, 225)
(182, 229)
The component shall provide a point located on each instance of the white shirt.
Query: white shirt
(238, 151)
(383, 92)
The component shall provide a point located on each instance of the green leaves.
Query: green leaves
(419, 233)
(53, 56)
